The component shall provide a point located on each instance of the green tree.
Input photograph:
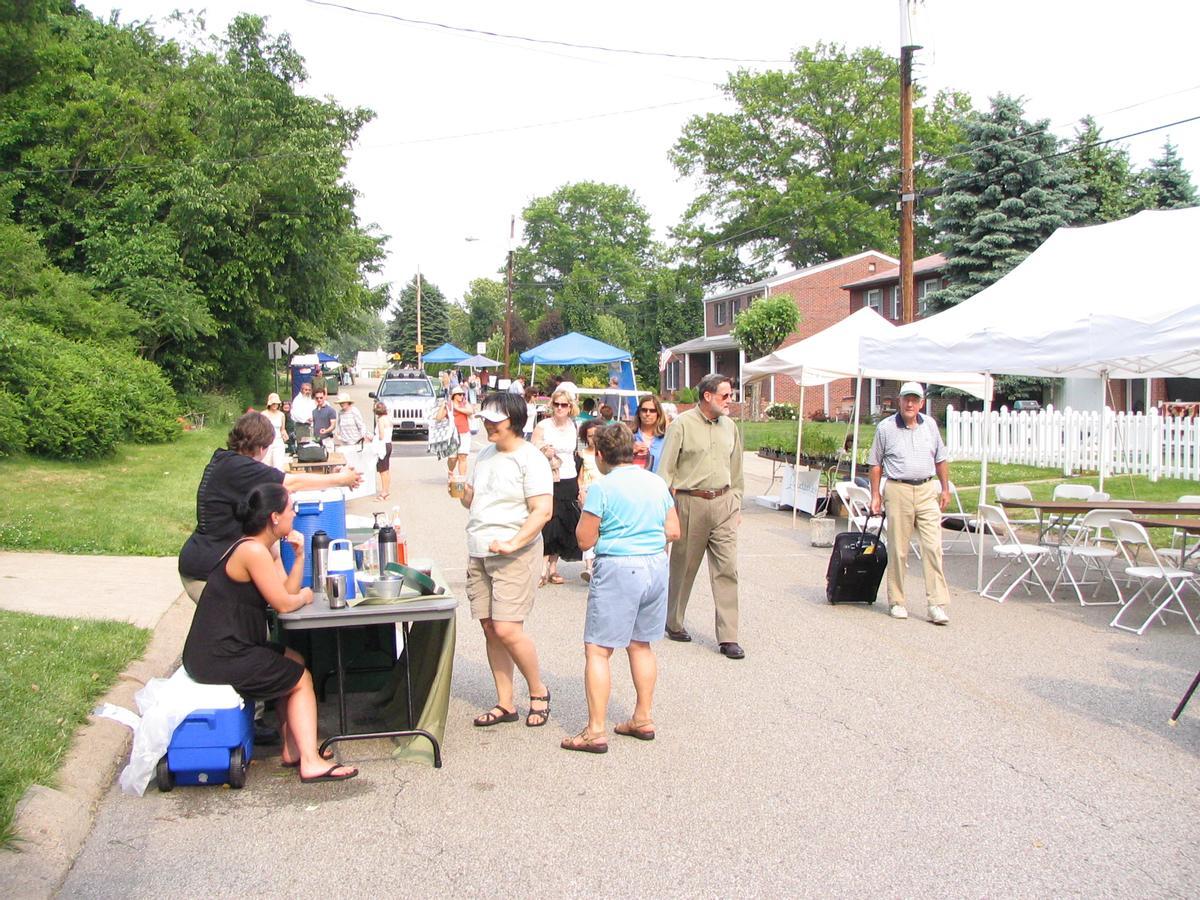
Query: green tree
(485, 300)
(1166, 184)
(550, 326)
(435, 320)
(761, 327)
(1106, 174)
(1005, 191)
(807, 165)
(592, 238)
(460, 326)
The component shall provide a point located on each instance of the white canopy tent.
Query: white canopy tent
(834, 353)
(1112, 300)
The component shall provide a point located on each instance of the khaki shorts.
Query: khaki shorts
(502, 587)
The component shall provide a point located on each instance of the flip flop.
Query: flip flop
(327, 756)
(557, 579)
(643, 732)
(328, 775)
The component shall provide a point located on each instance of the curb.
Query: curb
(52, 824)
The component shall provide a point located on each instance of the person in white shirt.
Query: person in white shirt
(508, 496)
(302, 411)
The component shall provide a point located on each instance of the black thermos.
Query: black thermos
(320, 561)
(387, 547)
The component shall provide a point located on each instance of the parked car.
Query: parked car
(1026, 406)
(409, 397)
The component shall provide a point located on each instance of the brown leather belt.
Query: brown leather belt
(705, 495)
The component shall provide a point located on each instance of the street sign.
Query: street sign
(282, 349)
(481, 347)
(420, 348)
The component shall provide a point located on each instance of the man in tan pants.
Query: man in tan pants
(909, 451)
(702, 464)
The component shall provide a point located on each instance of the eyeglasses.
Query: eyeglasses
(725, 396)
(562, 405)
(648, 409)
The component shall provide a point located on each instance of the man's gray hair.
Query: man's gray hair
(710, 383)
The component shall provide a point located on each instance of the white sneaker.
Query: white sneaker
(938, 616)
(896, 611)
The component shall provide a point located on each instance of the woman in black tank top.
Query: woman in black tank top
(228, 644)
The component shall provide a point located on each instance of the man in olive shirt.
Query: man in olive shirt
(702, 464)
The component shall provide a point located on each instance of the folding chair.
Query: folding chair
(1058, 526)
(1183, 554)
(856, 500)
(1132, 539)
(1086, 548)
(1018, 492)
(956, 513)
(1010, 549)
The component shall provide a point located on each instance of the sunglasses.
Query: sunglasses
(562, 405)
(648, 409)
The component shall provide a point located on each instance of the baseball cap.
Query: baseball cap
(913, 388)
(491, 414)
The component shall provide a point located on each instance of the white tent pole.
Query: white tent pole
(1103, 426)
(983, 471)
(637, 400)
(857, 419)
(799, 443)
(533, 372)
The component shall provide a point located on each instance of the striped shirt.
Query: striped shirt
(909, 454)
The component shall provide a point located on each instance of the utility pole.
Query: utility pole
(512, 233)
(420, 346)
(908, 196)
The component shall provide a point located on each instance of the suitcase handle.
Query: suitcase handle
(866, 521)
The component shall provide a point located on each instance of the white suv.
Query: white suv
(410, 401)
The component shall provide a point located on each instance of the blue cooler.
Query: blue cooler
(315, 511)
(210, 746)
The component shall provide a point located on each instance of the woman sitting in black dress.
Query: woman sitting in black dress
(228, 642)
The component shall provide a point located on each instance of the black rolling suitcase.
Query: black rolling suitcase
(856, 565)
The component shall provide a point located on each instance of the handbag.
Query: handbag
(443, 438)
(309, 452)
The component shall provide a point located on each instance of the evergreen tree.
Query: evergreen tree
(1108, 179)
(435, 321)
(1167, 184)
(1004, 193)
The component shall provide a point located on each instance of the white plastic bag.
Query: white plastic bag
(362, 459)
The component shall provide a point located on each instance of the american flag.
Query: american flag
(664, 357)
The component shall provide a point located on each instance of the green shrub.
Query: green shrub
(78, 400)
(13, 438)
(687, 395)
(782, 411)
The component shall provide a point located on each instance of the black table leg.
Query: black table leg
(375, 735)
(1186, 697)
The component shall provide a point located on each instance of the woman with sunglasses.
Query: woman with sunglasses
(649, 431)
(227, 642)
(558, 439)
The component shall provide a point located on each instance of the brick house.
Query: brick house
(819, 295)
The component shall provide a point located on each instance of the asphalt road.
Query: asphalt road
(1022, 751)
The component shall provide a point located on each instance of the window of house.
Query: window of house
(896, 311)
(875, 300)
(719, 313)
(927, 287)
(734, 306)
(674, 367)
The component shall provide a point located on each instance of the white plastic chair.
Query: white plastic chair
(856, 500)
(1057, 526)
(1010, 549)
(958, 514)
(1132, 539)
(1095, 558)
(1017, 492)
(1185, 553)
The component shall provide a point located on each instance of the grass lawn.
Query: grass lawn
(51, 673)
(139, 502)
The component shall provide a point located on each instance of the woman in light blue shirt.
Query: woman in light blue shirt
(629, 516)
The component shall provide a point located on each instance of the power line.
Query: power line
(665, 54)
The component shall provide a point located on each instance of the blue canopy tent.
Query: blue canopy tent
(575, 349)
(447, 353)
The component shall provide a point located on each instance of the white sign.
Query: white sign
(282, 349)
(481, 347)
(800, 489)
(289, 346)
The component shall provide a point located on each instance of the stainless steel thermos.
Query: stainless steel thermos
(387, 546)
(320, 561)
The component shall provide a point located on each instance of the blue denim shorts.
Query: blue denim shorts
(627, 600)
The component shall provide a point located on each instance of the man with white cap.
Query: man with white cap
(908, 450)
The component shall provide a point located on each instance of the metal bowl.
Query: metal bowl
(386, 587)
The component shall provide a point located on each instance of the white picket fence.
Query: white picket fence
(1151, 444)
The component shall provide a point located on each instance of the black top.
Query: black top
(323, 417)
(227, 643)
(227, 480)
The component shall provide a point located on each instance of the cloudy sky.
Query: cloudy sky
(469, 127)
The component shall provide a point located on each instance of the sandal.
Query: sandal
(328, 775)
(643, 732)
(557, 579)
(491, 717)
(543, 714)
(542, 581)
(585, 743)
